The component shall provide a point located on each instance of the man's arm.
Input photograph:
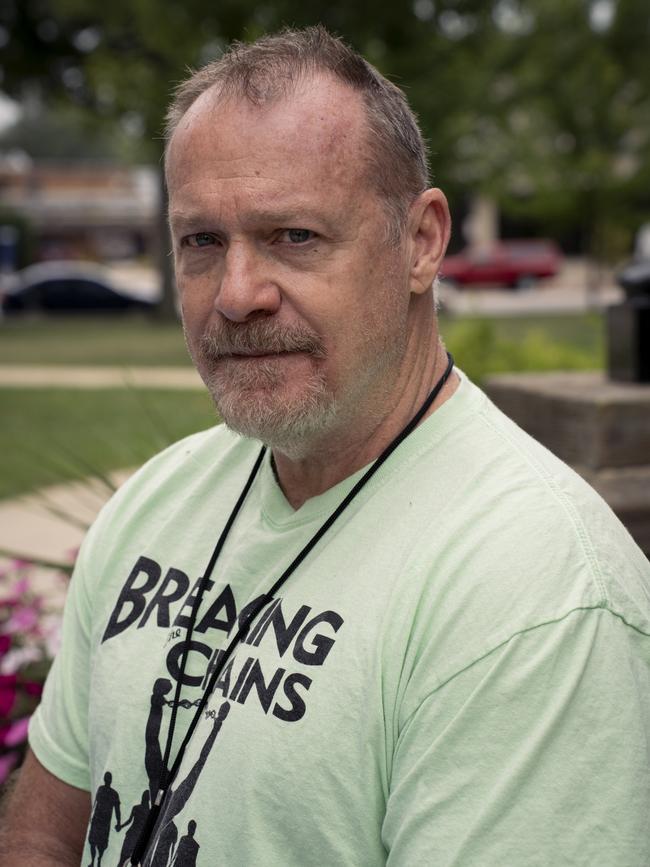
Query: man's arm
(45, 821)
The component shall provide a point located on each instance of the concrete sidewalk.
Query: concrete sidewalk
(50, 525)
(68, 376)
(51, 522)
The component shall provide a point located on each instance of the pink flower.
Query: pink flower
(23, 619)
(5, 644)
(31, 687)
(19, 657)
(7, 693)
(22, 586)
(15, 733)
(50, 631)
(17, 590)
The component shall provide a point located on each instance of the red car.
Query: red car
(515, 264)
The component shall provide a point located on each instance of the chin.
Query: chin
(291, 425)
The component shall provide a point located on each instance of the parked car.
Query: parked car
(515, 264)
(66, 287)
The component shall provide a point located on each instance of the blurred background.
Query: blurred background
(538, 118)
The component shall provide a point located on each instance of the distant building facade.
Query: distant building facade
(83, 210)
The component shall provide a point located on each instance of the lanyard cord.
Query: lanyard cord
(168, 776)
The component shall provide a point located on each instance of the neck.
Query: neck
(344, 452)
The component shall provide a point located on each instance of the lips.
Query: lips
(245, 356)
(269, 355)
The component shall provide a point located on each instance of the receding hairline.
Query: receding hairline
(272, 67)
(214, 97)
(220, 94)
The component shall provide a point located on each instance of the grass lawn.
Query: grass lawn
(54, 435)
(108, 340)
(480, 345)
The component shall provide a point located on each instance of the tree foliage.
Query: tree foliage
(543, 104)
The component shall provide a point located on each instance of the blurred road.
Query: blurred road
(529, 302)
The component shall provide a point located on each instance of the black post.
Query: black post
(628, 327)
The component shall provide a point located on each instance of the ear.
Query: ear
(430, 228)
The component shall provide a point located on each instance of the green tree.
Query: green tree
(543, 104)
(562, 134)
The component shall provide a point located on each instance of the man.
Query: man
(454, 669)
(188, 848)
(106, 801)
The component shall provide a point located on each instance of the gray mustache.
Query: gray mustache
(259, 337)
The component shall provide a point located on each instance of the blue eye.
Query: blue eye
(200, 239)
(299, 236)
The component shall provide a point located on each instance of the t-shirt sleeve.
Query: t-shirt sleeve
(536, 755)
(58, 731)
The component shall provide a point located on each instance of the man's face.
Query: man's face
(294, 306)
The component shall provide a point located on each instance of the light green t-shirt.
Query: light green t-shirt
(458, 674)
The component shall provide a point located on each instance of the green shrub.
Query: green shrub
(480, 349)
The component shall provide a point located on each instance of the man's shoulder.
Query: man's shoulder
(507, 536)
(494, 475)
(191, 457)
(183, 475)
(556, 507)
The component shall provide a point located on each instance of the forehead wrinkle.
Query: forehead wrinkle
(303, 115)
(264, 197)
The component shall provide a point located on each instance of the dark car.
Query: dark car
(66, 287)
(514, 264)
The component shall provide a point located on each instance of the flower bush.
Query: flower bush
(30, 628)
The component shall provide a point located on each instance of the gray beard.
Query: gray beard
(246, 395)
(291, 428)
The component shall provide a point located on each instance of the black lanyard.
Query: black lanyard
(169, 774)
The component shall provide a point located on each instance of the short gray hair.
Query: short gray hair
(269, 69)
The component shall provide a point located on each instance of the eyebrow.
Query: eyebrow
(184, 219)
(285, 217)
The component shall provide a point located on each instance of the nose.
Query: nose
(246, 289)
